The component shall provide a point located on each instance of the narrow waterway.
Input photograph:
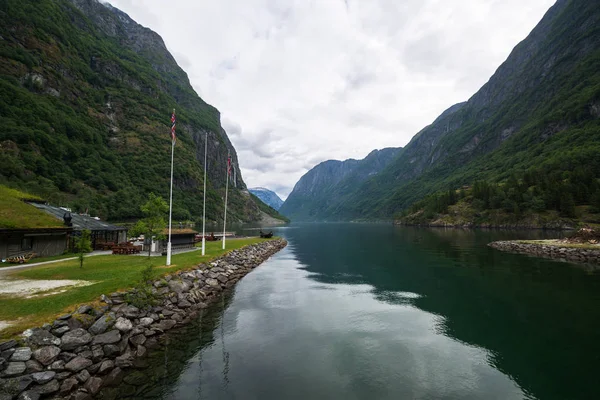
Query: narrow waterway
(357, 311)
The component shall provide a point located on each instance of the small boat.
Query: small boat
(20, 259)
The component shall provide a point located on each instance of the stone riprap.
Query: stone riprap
(557, 252)
(79, 353)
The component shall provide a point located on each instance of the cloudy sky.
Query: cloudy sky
(303, 81)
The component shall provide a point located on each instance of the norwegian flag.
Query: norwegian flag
(228, 165)
(173, 137)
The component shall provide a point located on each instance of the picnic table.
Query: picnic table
(126, 248)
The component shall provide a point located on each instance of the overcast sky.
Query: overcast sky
(303, 81)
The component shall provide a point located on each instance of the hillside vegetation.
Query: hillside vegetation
(86, 96)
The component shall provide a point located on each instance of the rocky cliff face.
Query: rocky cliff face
(537, 110)
(267, 196)
(327, 183)
(87, 95)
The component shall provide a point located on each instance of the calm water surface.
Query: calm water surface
(353, 311)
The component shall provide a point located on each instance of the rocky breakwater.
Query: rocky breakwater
(583, 255)
(79, 353)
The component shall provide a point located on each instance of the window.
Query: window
(26, 243)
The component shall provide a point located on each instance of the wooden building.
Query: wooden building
(44, 242)
(101, 232)
(182, 238)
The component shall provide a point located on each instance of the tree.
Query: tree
(83, 245)
(153, 224)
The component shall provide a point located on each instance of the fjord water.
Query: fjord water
(358, 311)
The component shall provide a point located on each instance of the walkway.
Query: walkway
(32, 265)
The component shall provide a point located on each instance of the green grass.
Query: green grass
(110, 273)
(14, 213)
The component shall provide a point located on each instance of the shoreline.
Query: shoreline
(82, 352)
(552, 250)
(491, 226)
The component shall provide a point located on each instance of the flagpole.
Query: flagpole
(204, 206)
(226, 189)
(171, 196)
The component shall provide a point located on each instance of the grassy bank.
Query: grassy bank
(109, 273)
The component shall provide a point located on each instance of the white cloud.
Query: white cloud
(299, 82)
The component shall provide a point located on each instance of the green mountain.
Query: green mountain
(537, 117)
(320, 191)
(86, 96)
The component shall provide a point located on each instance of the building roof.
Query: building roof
(79, 221)
(16, 214)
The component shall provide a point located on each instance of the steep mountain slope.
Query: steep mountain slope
(540, 111)
(86, 96)
(321, 189)
(267, 196)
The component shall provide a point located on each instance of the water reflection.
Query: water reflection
(372, 311)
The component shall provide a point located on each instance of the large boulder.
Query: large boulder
(43, 377)
(123, 324)
(21, 354)
(41, 337)
(107, 338)
(75, 338)
(103, 323)
(45, 355)
(78, 363)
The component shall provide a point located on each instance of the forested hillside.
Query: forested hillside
(539, 115)
(86, 96)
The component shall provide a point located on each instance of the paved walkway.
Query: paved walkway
(32, 265)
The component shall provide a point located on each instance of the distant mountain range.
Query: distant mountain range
(539, 114)
(267, 196)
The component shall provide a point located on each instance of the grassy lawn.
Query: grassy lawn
(110, 273)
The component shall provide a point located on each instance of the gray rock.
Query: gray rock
(137, 340)
(105, 299)
(222, 278)
(41, 337)
(75, 338)
(131, 311)
(105, 367)
(124, 361)
(43, 377)
(21, 354)
(86, 354)
(59, 323)
(93, 385)
(81, 395)
(68, 385)
(50, 387)
(141, 351)
(45, 355)
(33, 366)
(103, 323)
(107, 338)
(97, 353)
(166, 324)
(66, 356)
(213, 282)
(61, 376)
(7, 354)
(66, 316)
(58, 365)
(81, 321)
(29, 395)
(179, 286)
(111, 350)
(93, 369)
(184, 304)
(8, 345)
(83, 376)
(14, 368)
(84, 309)
(78, 363)
(60, 331)
(123, 324)
(14, 386)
